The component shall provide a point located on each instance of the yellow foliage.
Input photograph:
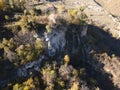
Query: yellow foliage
(36, 79)
(29, 57)
(29, 83)
(28, 46)
(23, 21)
(39, 44)
(75, 86)
(75, 72)
(5, 41)
(25, 12)
(1, 45)
(28, 52)
(32, 12)
(61, 83)
(11, 43)
(7, 17)
(82, 8)
(60, 8)
(20, 50)
(48, 28)
(73, 12)
(16, 86)
(66, 58)
(2, 5)
(26, 88)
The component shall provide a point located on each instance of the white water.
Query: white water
(55, 42)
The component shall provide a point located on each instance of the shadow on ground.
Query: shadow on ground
(101, 42)
(105, 41)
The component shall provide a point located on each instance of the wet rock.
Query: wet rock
(26, 71)
(30, 69)
(55, 42)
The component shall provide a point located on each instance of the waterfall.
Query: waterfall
(55, 42)
(78, 38)
(66, 43)
(73, 43)
(84, 30)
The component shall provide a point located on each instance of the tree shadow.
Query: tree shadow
(5, 33)
(104, 39)
(103, 42)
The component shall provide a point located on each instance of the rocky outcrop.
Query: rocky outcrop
(110, 66)
(113, 6)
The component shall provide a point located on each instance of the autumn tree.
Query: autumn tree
(2, 5)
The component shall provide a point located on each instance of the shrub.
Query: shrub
(30, 84)
(7, 17)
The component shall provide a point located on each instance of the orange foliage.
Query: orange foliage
(2, 5)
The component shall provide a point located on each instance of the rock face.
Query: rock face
(111, 66)
(113, 6)
(55, 42)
